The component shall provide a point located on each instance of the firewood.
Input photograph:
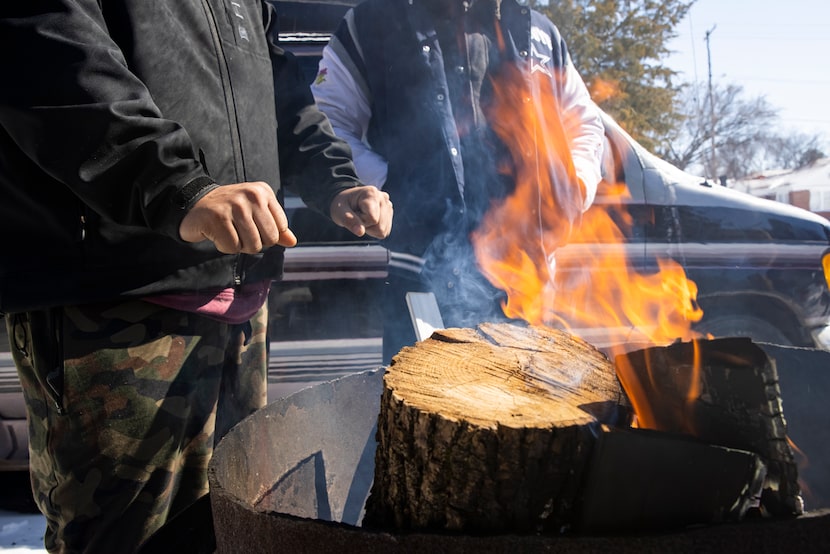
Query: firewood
(489, 430)
(666, 482)
(724, 392)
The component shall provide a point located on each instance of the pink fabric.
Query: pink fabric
(231, 305)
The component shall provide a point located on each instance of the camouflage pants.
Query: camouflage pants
(125, 403)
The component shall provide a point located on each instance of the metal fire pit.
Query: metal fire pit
(294, 477)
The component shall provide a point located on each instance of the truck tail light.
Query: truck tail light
(825, 263)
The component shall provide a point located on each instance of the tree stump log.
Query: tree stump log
(489, 430)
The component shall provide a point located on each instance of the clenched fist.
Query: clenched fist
(240, 218)
(363, 210)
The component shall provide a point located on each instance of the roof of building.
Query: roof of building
(815, 175)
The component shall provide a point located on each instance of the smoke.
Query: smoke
(464, 294)
(521, 202)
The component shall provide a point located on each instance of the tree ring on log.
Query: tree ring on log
(489, 430)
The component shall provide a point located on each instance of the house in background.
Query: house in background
(808, 187)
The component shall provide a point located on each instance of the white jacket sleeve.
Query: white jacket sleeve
(340, 96)
(584, 127)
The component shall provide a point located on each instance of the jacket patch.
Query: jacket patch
(321, 76)
(540, 36)
(240, 27)
(539, 61)
(541, 47)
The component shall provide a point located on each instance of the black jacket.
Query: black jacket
(114, 118)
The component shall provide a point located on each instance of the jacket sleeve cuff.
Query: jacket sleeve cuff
(189, 194)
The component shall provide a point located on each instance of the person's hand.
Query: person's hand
(244, 217)
(363, 210)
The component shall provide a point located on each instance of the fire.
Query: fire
(803, 462)
(602, 90)
(558, 266)
(640, 392)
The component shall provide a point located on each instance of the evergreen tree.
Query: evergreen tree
(619, 46)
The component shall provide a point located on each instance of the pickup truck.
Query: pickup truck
(760, 267)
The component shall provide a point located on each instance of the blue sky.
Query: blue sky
(779, 50)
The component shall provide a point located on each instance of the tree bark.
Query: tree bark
(489, 430)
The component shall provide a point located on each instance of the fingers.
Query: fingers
(364, 211)
(284, 236)
(239, 218)
(376, 215)
(262, 224)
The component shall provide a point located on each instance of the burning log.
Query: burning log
(665, 481)
(489, 430)
(724, 392)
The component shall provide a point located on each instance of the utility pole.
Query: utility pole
(713, 162)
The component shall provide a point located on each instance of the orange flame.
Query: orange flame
(558, 266)
(603, 90)
(803, 462)
(641, 387)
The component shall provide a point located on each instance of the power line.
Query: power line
(807, 120)
(781, 80)
(776, 38)
(694, 50)
(711, 100)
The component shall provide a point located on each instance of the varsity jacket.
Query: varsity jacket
(383, 83)
(116, 116)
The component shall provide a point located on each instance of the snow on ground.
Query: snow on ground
(21, 533)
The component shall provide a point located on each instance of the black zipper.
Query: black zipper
(237, 270)
(230, 106)
(55, 378)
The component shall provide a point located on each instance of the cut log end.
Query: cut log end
(504, 375)
(488, 429)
